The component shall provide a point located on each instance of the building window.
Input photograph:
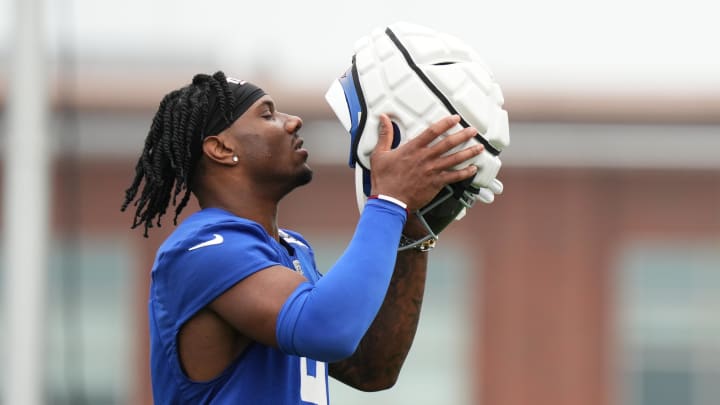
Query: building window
(90, 331)
(669, 324)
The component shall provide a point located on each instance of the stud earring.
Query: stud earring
(235, 159)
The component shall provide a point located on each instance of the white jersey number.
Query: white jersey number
(313, 388)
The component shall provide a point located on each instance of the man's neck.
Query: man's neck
(264, 212)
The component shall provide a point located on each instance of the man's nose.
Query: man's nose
(293, 123)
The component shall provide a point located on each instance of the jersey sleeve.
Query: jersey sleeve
(202, 266)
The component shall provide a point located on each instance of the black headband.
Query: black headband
(244, 95)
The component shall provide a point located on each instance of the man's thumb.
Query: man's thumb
(385, 134)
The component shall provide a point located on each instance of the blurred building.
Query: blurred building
(592, 280)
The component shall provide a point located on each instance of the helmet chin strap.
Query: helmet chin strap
(449, 205)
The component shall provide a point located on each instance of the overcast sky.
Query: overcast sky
(551, 44)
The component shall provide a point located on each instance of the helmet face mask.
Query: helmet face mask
(417, 76)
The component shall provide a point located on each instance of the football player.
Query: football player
(238, 311)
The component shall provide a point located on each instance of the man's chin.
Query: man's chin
(305, 177)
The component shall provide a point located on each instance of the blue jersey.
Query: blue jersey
(207, 254)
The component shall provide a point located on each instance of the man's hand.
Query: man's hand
(415, 171)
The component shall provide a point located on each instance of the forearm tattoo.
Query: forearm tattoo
(382, 352)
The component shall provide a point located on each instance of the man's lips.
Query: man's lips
(298, 147)
(299, 143)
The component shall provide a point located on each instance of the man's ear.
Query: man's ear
(216, 149)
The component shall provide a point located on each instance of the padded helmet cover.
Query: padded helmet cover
(417, 76)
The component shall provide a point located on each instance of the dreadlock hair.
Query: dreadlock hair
(173, 147)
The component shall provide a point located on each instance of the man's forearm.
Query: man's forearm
(313, 321)
(381, 353)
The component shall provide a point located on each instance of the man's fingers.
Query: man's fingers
(451, 141)
(453, 176)
(436, 129)
(385, 134)
(456, 158)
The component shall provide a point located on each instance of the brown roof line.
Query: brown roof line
(115, 92)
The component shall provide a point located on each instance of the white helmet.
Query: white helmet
(417, 76)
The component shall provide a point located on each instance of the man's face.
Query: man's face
(268, 145)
